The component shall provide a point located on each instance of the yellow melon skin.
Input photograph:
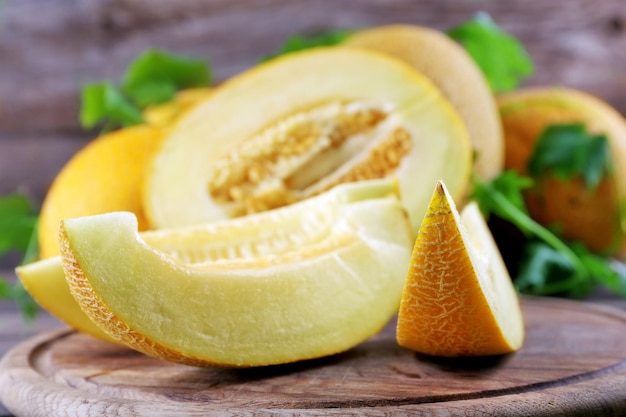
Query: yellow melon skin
(106, 175)
(596, 217)
(458, 298)
(45, 282)
(455, 74)
(260, 117)
(321, 297)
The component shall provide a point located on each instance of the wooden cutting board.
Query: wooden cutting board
(572, 364)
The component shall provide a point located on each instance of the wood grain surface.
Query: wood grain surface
(573, 363)
(44, 61)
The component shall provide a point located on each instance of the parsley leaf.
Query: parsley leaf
(547, 271)
(5, 289)
(549, 265)
(27, 306)
(502, 196)
(17, 223)
(510, 185)
(18, 232)
(503, 59)
(296, 43)
(567, 150)
(153, 77)
(601, 269)
(105, 103)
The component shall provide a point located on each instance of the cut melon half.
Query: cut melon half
(335, 281)
(454, 72)
(298, 125)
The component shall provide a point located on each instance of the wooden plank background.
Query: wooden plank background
(49, 48)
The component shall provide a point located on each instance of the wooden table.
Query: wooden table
(574, 359)
(13, 330)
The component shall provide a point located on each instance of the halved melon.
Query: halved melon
(298, 125)
(454, 72)
(328, 284)
(596, 217)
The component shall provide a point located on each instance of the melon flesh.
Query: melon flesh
(323, 296)
(267, 235)
(456, 75)
(458, 299)
(294, 127)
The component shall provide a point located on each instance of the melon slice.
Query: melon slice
(298, 125)
(45, 282)
(247, 237)
(454, 72)
(335, 283)
(458, 299)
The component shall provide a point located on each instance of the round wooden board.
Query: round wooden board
(572, 363)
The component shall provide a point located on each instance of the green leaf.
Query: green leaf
(16, 292)
(103, 103)
(512, 185)
(550, 265)
(601, 269)
(547, 271)
(18, 232)
(28, 307)
(152, 78)
(502, 197)
(296, 43)
(509, 185)
(153, 93)
(503, 59)
(567, 151)
(155, 76)
(17, 223)
(5, 289)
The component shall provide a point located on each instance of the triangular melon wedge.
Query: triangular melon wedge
(291, 128)
(458, 299)
(333, 288)
(454, 72)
